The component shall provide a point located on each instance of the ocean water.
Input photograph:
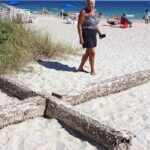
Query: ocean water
(135, 9)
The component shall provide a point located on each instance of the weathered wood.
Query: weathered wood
(15, 89)
(17, 112)
(96, 130)
(99, 131)
(104, 88)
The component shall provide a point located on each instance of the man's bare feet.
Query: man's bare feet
(82, 70)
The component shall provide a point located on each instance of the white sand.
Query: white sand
(126, 110)
(40, 134)
(122, 51)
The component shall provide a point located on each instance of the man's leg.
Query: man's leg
(91, 60)
(84, 59)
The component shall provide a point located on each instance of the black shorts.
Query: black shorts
(89, 37)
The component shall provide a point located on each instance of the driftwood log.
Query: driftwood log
(101, 132)
(106, 87)
(20, 111)
(15, 89)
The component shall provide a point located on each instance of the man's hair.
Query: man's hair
(91, 1)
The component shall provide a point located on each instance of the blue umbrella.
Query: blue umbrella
(13, 3)
(69, 6)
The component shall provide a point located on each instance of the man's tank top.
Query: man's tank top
(91, 21)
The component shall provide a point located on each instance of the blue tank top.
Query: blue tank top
(91, 21)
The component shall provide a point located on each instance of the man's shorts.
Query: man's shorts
(89, 37)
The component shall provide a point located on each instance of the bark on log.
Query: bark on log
(15, 89)
(17, 112)
(106, 87)
(99, 131)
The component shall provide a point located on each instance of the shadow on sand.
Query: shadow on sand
(81, 137)
(56, 66)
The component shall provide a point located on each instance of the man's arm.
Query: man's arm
(98, 30)
(80, 23)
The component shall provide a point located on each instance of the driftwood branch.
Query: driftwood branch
(100, 132)
(106, 87)
(15, 89)
(17, 112)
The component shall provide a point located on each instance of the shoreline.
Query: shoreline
(102, 18)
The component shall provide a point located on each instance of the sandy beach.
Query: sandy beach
(45, 134)
(123, 51)
(128, 110)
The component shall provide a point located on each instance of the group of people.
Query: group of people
(124, 21)
(71, 18)
(88, 29)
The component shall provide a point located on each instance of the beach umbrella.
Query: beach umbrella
(13, 3)
(68, 6)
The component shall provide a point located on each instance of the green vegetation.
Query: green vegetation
(19, 45)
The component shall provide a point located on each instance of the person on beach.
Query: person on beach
(146, 16)
(115, 17)
(63, 14)
(125, 21)
(87, 30)
(114, 20)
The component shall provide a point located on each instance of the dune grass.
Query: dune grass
(19, 45)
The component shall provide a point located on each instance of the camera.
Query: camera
(102, 36)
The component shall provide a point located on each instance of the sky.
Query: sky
(73, 0)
